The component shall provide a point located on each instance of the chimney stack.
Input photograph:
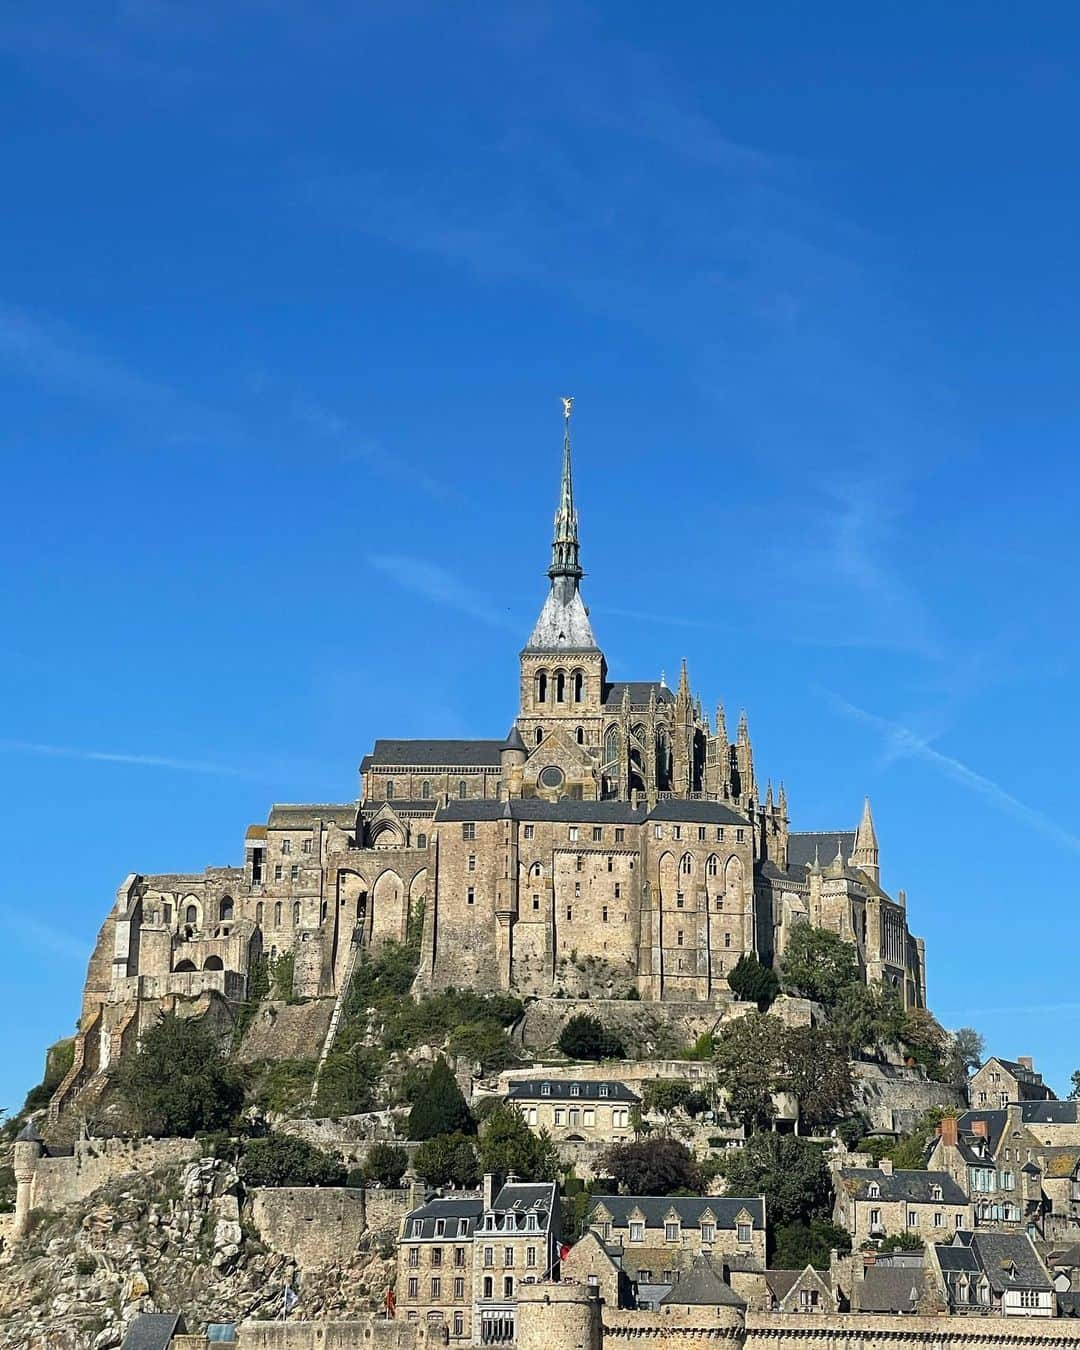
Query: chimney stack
(886, 1166)
(947, 1130)
(1026, 1062)
(980, 1127)
(490, 1187)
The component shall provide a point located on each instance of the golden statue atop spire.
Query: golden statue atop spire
(567, 404)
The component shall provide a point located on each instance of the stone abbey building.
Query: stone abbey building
(615, 840)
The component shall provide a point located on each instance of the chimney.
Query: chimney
(490, 1187)
(947, 1130)
(417, 1190)
(1026, 1062)
(886, 1166)
(980, 1127)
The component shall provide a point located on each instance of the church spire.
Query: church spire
(864, 853)
(565, 546)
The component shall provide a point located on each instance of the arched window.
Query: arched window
(873, 1191)
(581, 735)
(541, 686)
(687, 864)
(184, 967)
(421, 841)
(560, 687)
(536, 870)
(389, 789)
(226, 909)
(713, 865)
(191, 915)
(425, 789)
(539, 735)
(213, 963)
(579, 686)
(277, 915)
(259, 912)
(296, 912)
(462, 788)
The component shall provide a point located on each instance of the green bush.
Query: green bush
(585, 1037)
(753, 982)
(177, 1082)
(508, 1145)
(448, 1160)
(440, 1107)
(282, 1160)
(386, 1164)
(660, 1166)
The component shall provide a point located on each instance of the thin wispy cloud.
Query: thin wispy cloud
(439, 587)
(1021, 1010)
(54, 940)
(903, 743)
(349, 443)
(60, 361)
(117, 757)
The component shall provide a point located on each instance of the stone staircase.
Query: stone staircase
(355, 946)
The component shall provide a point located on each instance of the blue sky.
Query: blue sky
(288, 296)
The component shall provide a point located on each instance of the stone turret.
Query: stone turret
(864, 854)
(27, 1149)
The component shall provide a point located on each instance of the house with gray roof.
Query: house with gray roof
(576, 1110)
(996, 1273)
(875, 1202)
(997, 1082)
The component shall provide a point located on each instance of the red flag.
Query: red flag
(391, 1303)
(564, 1251)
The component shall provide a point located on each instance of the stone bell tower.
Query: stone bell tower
(563, 672)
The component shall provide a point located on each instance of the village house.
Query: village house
(576, 1109)
(1001, 1081)
(992, 1273)
(875, 1202)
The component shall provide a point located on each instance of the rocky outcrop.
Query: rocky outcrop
(181, 1238)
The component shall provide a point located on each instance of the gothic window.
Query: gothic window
(421, 841)
(541, 686)
(687, 864)
(226, 909)
(712, 865)
(663, 759)
(536, 870)
(579, 686)
(296, 913)
(539, 735)
(560, 687)
(259, 912)
(425, 789)
(462, 788)
(610, 766)
(637, 758)
(581, 735)
(191, 915)
(389, 789)
(277, 915)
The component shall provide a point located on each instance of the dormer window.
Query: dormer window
(936, 1193)
(575, 1090)
(416, 1227)
(602, 1090)
(873, 1191)
(545, 1089)
(440, 1227)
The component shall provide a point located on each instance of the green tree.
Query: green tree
(584, 1037)
(665, 1096)
(865, 1019)
(660, 1166)
(966, 1053)
(506, 1144)
(749, 1063)
(448, 1160)
(901, 1242)
(486, 1043)
(800, 1244)
(818, 964)
(789, 1171)
(1074, 1091)
(925, 1041)
(753, 982)
(283, 1160)
(439, 1107)
(350, 1078)
(817, 1070)
(178, 1081)
(386, 1164)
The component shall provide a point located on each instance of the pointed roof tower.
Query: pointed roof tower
(864, 853)
(563, 624)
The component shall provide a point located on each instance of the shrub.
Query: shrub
(386, 1164)
(753, 982)
(584, 1037)
(178, 1081)
(283, 1160)
(448, 1160)
(508, 1145)
(439, 1107)
(659, 1167)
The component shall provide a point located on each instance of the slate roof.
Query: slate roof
(434, 754)
(153, 1331)
(997, 1252)
(910, 1185)
(450, 1208)
(688, 1207)
(568, 810)
(1020, 1071)
(782, 1282)
(524, 1195)
(563, 625)
(640, 692)
(560, 1090)
(886, 1289)
(1060, 1161)
(698, 813)
(401, 805)
(1049, 1113)
(996, 1122)
(802, 843)
(302, 816)
(954, 1259)
(702, 1286)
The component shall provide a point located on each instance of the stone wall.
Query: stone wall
(893, 1098)
(59, 1182)
(653, 1029)
(379, 1332)
(862, 1331)
(325, 1226)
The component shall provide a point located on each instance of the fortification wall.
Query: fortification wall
(286, 1031)
(380, 1332)
(862, 1331)
(325, 1226)
(892, 1098)
(651, 1028)
(63, 1181)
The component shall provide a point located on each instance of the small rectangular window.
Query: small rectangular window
(743, 1233)
(569, 915)
(278, 873)
(530, 830)
(294, 872)
(671, 1232)
(536, 902)
(579, 863)
(286, 846)
(701, 833)
(597, 834)
(620, 835)
(468, 830)
(676, 832)
(719, 834)
(414, 1287)
(470, 895)
(577, 887)
(305, 846)
(658, 831)
(470, 865)
(436, 1286)
(679, 937)
(573, 834)
(603, 914)
(618, 890)
(637, 1231)
(459, 1292)
(739, 836)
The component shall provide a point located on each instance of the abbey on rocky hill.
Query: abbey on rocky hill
(614, 842)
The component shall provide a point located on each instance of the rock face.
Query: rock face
(177, 1239)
